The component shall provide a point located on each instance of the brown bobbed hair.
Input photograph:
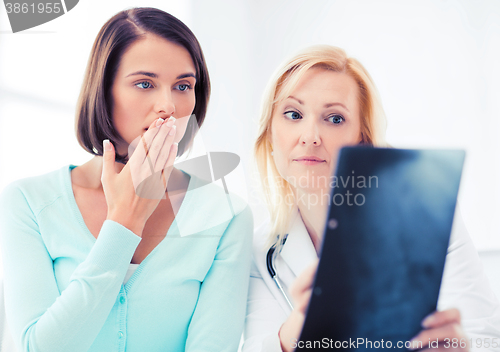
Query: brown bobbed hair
(94, 107)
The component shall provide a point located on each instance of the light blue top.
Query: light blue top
(64, 289)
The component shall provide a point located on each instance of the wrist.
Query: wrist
(130, 222)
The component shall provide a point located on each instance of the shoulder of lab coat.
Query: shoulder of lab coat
(466, 287)
(267, 308)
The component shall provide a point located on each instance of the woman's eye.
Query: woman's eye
(144, 85)
(183, 87)
(293, 115)
(336, 119)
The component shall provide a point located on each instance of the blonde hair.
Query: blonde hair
(278, 192)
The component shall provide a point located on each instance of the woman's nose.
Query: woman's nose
(164, 106)
(310, 134)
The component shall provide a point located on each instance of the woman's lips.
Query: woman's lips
(309, 160)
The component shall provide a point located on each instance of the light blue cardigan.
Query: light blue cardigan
(64, 289)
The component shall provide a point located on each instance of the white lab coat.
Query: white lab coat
(464, 286)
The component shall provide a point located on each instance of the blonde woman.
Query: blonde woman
(318, 102)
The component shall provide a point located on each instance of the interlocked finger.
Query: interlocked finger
(169, 163)
(147, 154)
(147, 140)
(156, 144)
(140, 162)
(166, 150)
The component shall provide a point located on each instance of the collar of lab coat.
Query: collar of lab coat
(298, 251)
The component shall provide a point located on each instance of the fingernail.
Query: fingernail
(159, 122)
(170, 121)
(176, 144)
(172, 131)
(428, 321)
(107, 145)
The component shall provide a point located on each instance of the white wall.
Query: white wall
(435, 64)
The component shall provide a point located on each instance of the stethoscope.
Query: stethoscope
(270, 268)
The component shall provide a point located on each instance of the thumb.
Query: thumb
(108, 164)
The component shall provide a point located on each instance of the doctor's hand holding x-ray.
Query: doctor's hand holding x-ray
(439, 325)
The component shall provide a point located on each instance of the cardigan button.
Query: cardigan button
(120, 335)
(122, 300)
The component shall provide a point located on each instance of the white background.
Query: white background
(435, 64)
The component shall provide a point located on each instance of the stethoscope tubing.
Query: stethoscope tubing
(274, 275)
